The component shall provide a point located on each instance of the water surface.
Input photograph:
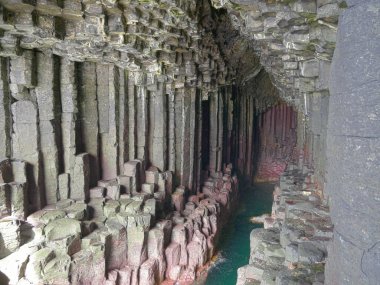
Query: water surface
(234, 245)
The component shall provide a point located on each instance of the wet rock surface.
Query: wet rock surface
(292, 247)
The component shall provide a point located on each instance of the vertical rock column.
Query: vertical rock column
(88, 116)
(5, 110)
(179, 132)
(25, 144)
(141, 115)
(158, 127)
(197, 141)
(353, 147)
(192, 93)
(69, 123)
(171, 126)
(216, 132)
(107, 95)
(250, 128)
(213, 131)
(131, 114)
(220, 131)
(25, 136)
(123, 124)
(187, 138)
(48, 101)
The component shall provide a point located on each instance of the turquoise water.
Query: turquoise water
(234, 245)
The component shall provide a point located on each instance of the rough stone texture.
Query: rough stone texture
(353, 147)
(112, 240)
(292, 247)
(152, 96)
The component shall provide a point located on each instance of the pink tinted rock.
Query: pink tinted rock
(172, 254)
(189, 226)
(196, 255)
(151, 175)
(213, 223)
(178, 199)
(148, 272)
(206, 224)
(223, 199)
(208, 191)
(211, 246)
(227, 185)
(88, 267)
(113, 277)
(187, 276)
(127, 275)
(161, 268)
(117, 253)
(168, 175)
(133, 168)
(175, 272)
(136, 245)
(155, 243)
(194, 199)
(184, 259)
(166, 226)
(179, 234)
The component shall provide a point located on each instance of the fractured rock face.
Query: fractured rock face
(62, 228)
(291, 249)
(126, 240)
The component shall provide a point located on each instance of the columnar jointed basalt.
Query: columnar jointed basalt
(86, 87)
(294, 42)
(101, 111)
(292, 247)
(132, 230)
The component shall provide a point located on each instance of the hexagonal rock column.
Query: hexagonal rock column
(354, 147)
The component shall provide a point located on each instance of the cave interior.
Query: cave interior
(127, 125)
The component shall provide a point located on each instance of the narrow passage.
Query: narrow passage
(234, 245)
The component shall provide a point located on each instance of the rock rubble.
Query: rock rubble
(123, 238)
(292, 247)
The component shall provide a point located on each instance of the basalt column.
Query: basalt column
(264, 130)
(354, 148)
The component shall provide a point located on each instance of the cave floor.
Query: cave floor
(234, 246)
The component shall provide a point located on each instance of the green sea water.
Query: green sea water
(234, 245)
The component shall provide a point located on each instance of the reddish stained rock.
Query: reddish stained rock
(88, 267)
(175, 272)
(187, 276)
(148, 272)
(178, 199)
(155, 243)
(113, 277)
(172, 254)
(166, 226)
(123, 249)
(117, 253)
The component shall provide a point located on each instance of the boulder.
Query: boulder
(62, 228)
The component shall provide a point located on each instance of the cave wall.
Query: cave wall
(337, 101)
(265, 130)
(354, 147)
(138, 99)
(105, 176)
(277, 141)
(294, 42)
(90, 90)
